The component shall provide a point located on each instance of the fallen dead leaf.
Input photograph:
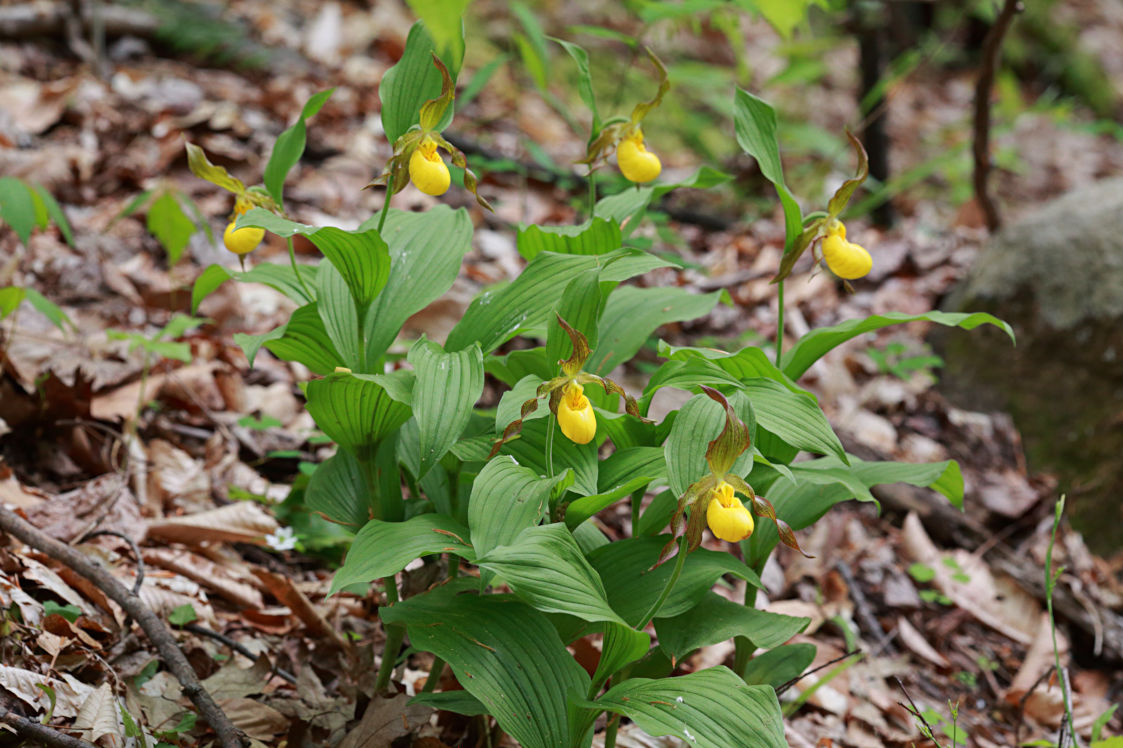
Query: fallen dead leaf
(98, 717)
(243, 522)
(386, 720)
(917, 644)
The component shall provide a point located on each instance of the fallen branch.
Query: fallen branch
(983, 88)
(157, 632)
(29, 729)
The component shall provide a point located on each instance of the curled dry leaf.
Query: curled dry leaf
(243, 522)
(205, 572)
(97, 718)
(70, 693)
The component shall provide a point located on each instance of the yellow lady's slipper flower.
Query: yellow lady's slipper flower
(636, 163)
(845, 259)
(427, 170)
(727, 517)
(575, 415)
(245, 240)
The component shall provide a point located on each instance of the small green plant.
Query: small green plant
(25, 207)
(511, 490)
(897, 359)
(167, 218)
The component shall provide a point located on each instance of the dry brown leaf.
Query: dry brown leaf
(287, 593)
(98, 717)
(206, 573)
(233, 682)
(969, 583)
(70, 693)
(175, 478)
(243, 522)
(121, 404)
(257, 720)
(386, 720)
(917, 644)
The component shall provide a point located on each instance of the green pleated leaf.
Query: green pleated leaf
(510, 405)
(362, 258)
(584, 79)
(717, 619)
(698, 423)
(633, 586)
(627, 204)
(580, 306)
(303, 338)
(382, 549)
(520, 364)
(545, 568)
(426, 250)
(506, 499)
(338, 491)
(621, 646)
(632, 314)
(339, 316)
(530, 450)
(290, 147)
(820, 484)
(812, 346)
(628, 463)
(280, 278)
(457, 702)
(448, 386)
(755, 124)
(527, 303)
(596, 237)
(354, 410)
(780, 665)
(711, 708)
(585, 507)
(686, 375)
(747, 363)
(17, 208)
(796, 418)
(504, 653)
(414, 80)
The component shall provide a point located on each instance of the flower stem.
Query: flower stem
(386, 203)
(610, 731)
(680, 561)
(592, 193)
(550, 445)
(296, 269)
(394, 637)
(780, 324)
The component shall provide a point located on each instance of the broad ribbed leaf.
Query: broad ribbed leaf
(780, 665)
(510, 405)
(354, 410)
(818, 486)
(584, 79)
(362, 258)
(338, 491)
(585, 507)
(686, 375)
(448, 385)
(626, 204)
(278, 277)
(289, 147)
(795, 418)
(621, 645)
(580, 306)
(504, 653)
(339, 316)
(530, 450)
(633, 585)
(506, 499)
(412, 81)
(167, 222)
(708, 709)
(382, 549)
(717, 619)
(698, 423)
(629, 463)
(596, 237)
(755, 123)
(303, 338)
(748, 363)
(632, 314)
(425, 254)
(457, 702)
(812, 346)
(527, 303)
(546, 570)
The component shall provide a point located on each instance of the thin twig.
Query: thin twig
(157, 632)
(132, 545)
(915, 711)
(236, 646)
(29, 729)
(983, 88)
(865, 612)
(812, 671)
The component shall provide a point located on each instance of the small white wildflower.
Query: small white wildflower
(689, 737)
(282, 540)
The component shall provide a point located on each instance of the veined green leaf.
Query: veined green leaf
(596, 237)
(795, 418)
(530, 450)
(717, 619)
(354, 410)
(780, 665)
(339, 491)
(382, 549)
(755, 123)
(506, 499)
(448, 386)
(290, 147)
(278, 277)
(632, 314)
(414, 80)
(17, 207)
(698, 423)
(339, 316)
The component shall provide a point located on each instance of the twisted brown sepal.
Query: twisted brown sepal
(514, 426)
(763, 507)
(631, 407)
(641, 109)
(805, 240)
(471, 183)
(692, 498)
(603, 143)
(434, 109)
(396, 171)
(733, 440)
(843, 194)
(573, 365)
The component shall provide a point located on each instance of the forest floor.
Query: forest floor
(190, 462)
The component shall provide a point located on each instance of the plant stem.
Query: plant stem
(296, 269)
(1050, 583)
(610, 731)
(780, 323)
(394, 637)
(386, 203)
(592, 193)
(680, 561)
(550, 445)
